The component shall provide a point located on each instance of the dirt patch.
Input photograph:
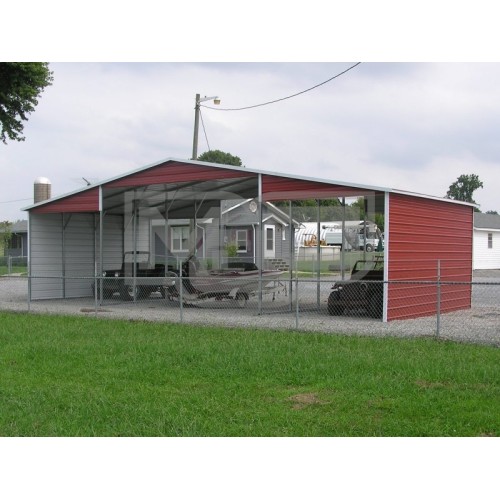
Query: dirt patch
(303, 400)
(427, 384)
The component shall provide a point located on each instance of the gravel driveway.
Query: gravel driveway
(480, 324)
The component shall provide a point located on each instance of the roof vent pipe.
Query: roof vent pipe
(42, 189)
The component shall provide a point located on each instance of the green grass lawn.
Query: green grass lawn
(72, 376)
(14, 269)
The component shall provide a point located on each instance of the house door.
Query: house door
(269, 246)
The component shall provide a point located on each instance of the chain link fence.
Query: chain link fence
(11, 264)
(275, 302)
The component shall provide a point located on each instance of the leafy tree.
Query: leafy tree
(5, 234)
(380, 221)
(492, 212)
(463, 188)
(359, 206)
(217, 156)
(310, 203)
(20, 87)
(307, 210)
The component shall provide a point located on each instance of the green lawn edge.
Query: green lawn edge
(82, 376)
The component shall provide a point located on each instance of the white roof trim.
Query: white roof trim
(487, 229)
(273, 216)
(238, 205)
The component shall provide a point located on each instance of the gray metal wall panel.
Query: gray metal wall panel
(46, 264)
(79, 264)
(112, 243)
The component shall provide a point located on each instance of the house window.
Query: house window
(490, 240)
(16, 242)
(180, 238)
(241, 240)
(270, 238)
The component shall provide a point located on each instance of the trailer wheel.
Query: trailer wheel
(128, 292)
(169, 289)
(241, 299)
(106, 294)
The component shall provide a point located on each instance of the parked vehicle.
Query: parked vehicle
(354, 237)
(129, 285)
(363, 291)
(348, 235)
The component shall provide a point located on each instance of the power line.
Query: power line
(15, 201)
(204, 130)
(288, 97)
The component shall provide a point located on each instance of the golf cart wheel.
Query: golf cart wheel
(376, 306)
(334, 308)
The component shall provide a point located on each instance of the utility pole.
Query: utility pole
(198, 101)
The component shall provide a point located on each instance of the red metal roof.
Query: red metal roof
(170, 172)
(85, 201)
(276, 188)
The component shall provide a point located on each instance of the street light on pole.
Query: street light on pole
(198, 101)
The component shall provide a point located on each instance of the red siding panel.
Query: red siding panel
(172, 172)
(86, 201)
(422, 232)
(276, 188)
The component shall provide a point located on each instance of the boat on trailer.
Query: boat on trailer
(236, 283)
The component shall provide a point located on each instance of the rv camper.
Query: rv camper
(357, 235)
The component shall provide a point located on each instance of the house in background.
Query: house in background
(486, 254)
(241, 223)
(235, 237)
(18, 244)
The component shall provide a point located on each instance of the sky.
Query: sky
(413, 126)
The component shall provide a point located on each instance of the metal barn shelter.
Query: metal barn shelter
(176, 207)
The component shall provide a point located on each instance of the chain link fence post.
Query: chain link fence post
(297, 310)
(438, 304)
(181, 291)
(96, 291)
(29, 292)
